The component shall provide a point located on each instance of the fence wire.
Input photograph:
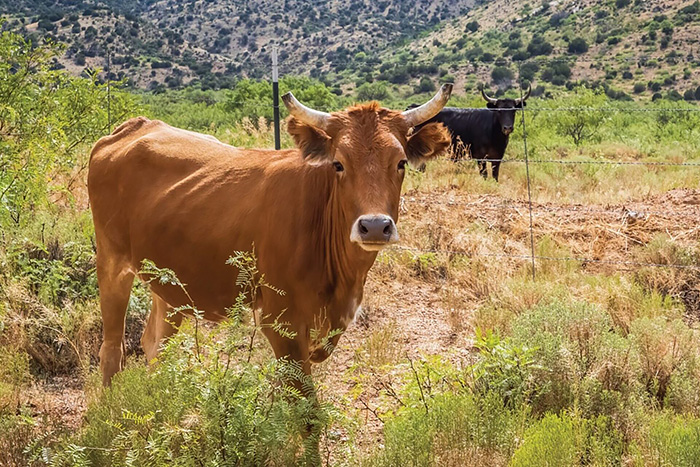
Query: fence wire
(637, 214)
(534, 209)
(472, 255)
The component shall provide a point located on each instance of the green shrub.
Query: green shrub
(373, 91)
(456, 429)
(675, 440)
(50, 116)
(504, 369)
(568, 440)
(551, 442)
(208, 400)
(578, 45)
(570, 340)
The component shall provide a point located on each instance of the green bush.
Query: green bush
(578, 45)
(504, 368)
(208, 401)
(568, 440)
(51, 116)
(455, 429)
(374, 91)
(501, 74)
(580, 125)
(425, 85)
(675, 440)
(551, 442)
(570, 341)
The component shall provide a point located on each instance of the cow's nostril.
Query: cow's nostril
(387, 230)
(363, 229)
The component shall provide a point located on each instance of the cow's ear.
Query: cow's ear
(431, 140)
(315, 145)
(490, 105)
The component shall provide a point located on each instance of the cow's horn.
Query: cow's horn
(488, 99)
(430, 109)
(527, 94)
(307, 115)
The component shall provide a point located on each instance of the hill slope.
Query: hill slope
(174, 42)
(629, 47)
(641, 47)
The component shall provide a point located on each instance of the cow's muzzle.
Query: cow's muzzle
(374, 231)
(507, 130)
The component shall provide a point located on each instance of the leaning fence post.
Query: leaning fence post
(527, 170)
(275, 97)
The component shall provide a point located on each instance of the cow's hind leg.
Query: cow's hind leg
(115, 280)
(161, 324)
(483, 170)
(495, 166)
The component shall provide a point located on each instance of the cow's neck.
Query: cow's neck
(345, 264)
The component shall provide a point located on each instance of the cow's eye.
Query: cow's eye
(402, 164)
(338, 166)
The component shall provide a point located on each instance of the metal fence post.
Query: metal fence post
(276, 97)
(527, 171)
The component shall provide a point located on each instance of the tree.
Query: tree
(501, 75)
(47, 118)
(373, 91)
(581, 122)
(472, 26)
(253, 98)
(578, 46)
(539, 46)
(425, 85)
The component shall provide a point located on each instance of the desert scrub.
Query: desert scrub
(456, 429)
(193, 410)
(567, 440)
(674, 440)
(210, 399)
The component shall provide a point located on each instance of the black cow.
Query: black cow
(484, 132)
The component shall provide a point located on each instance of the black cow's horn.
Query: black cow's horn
(315, 118)
(527, 94)
(488, 99)
(430, 109)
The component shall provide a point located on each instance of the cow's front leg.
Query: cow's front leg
(294, 350)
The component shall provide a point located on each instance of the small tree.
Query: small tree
(425, 85)
(581, 120)
(47, 118)
(578, 46)
(373, 91)
(501, 75)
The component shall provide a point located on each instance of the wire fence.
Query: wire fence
(535, 210)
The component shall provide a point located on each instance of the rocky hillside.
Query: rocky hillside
(174, 42)
(631, 48)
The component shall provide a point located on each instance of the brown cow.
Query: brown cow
(317, 216)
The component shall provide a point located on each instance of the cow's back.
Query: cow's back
(187, 202)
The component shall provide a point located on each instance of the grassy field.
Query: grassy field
(459, 358)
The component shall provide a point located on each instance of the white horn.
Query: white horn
(430, 109)
(487, 98)
(527, 94)
(307, 115)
